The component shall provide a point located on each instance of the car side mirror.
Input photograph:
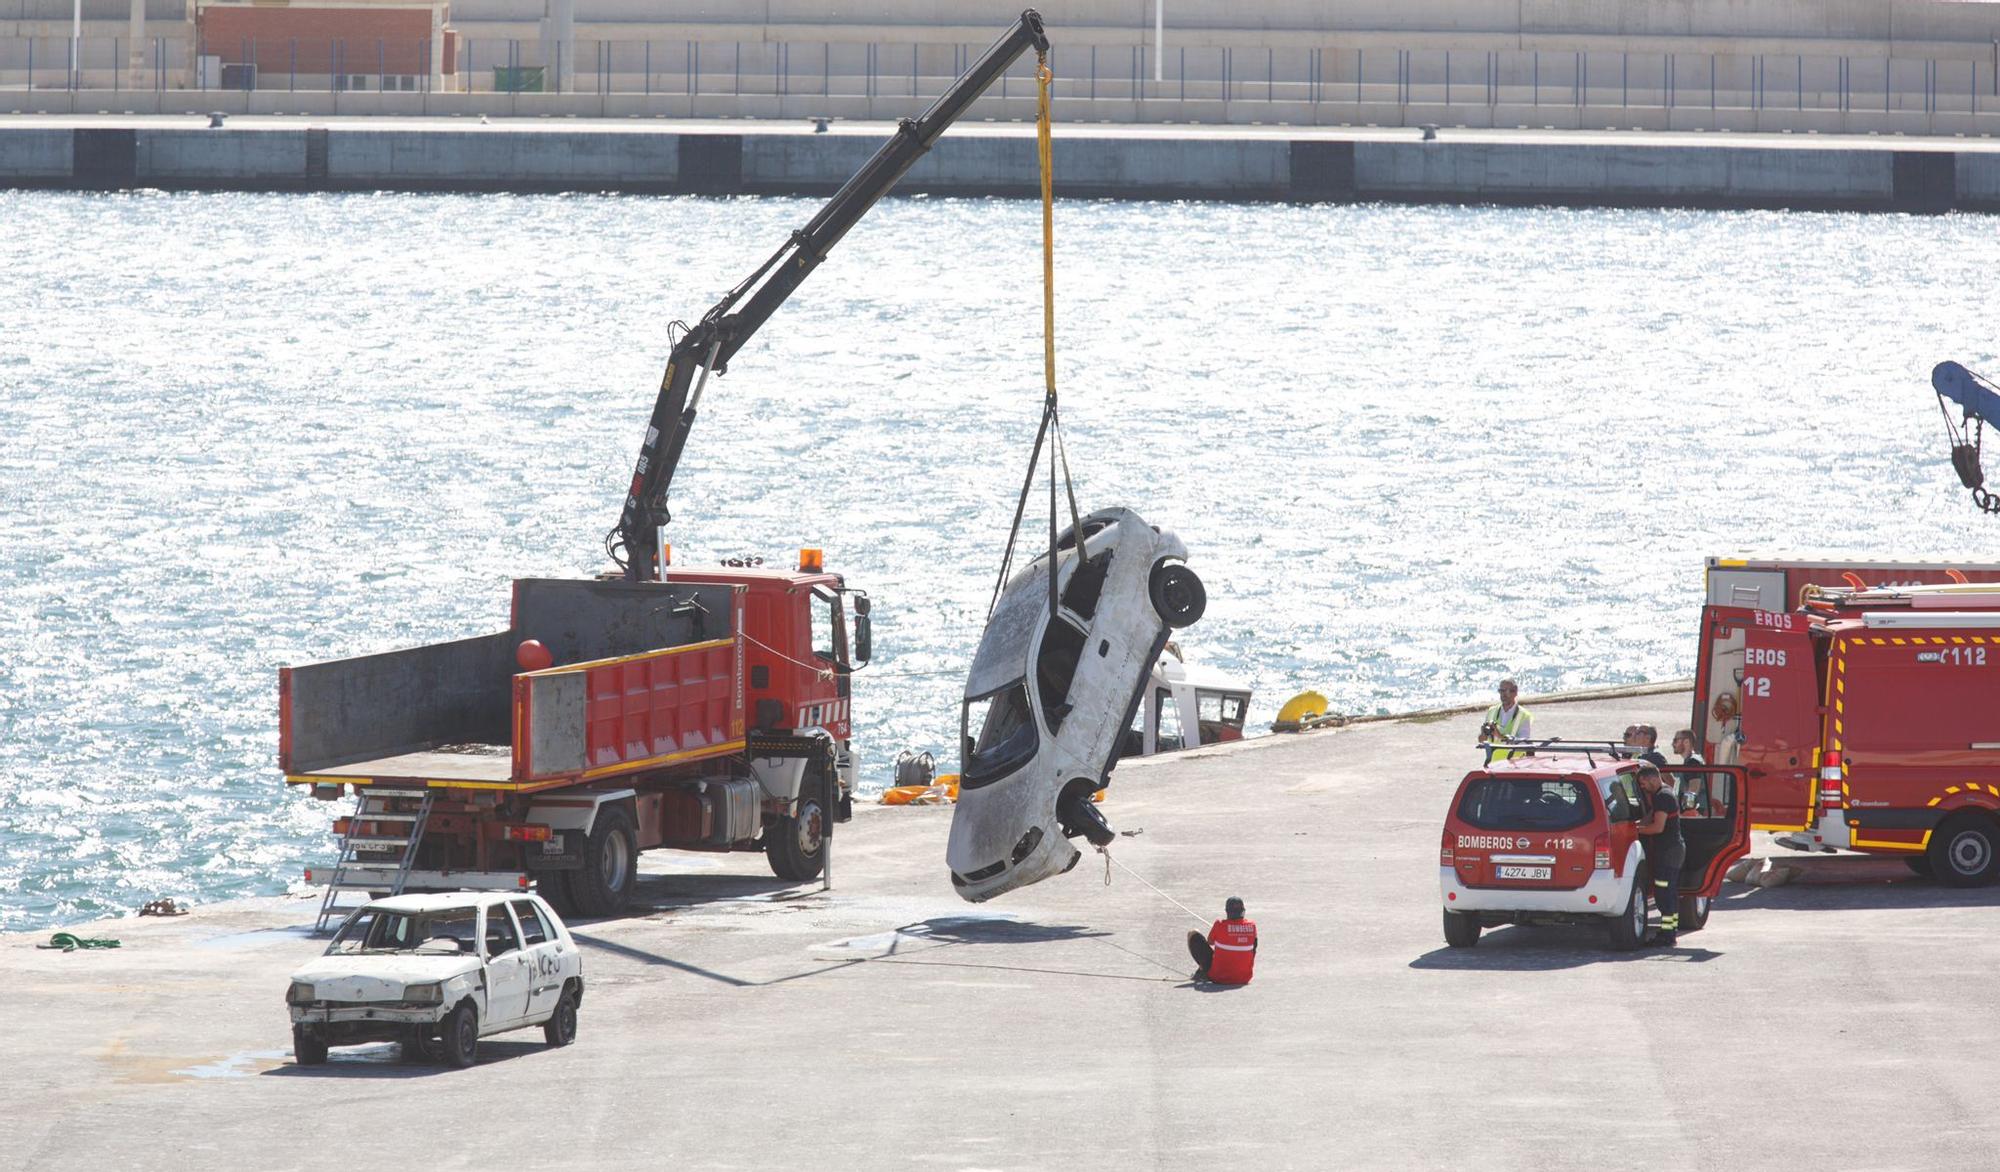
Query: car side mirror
(864, 637)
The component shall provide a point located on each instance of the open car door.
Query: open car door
(1715, 823)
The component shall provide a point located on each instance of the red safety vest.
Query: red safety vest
(1235, 945)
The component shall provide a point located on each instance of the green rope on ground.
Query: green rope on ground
(69, 942)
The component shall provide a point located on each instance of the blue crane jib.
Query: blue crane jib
(1968, 390)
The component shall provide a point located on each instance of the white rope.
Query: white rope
(1108, 861)
(824, 672)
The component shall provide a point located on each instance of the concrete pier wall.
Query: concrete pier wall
(1488, 166)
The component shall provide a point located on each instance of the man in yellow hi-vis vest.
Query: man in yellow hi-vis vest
(1507, 720)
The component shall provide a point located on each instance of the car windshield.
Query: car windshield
(1526, 803)
(1005, 738)
(381, 930)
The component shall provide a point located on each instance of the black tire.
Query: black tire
(1965, 851)
(461, 1036)
(1077, 814)
(560, 1029)
(1694, 913)
(553, 886)
(1920, 866)
(307, 1048)
(420, 1047)
(1628, 928)
(1178, 596)
(610, 866)
(795, 846)
(1461, 929)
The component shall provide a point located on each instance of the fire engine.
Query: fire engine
(1865, 719)
(659, 706)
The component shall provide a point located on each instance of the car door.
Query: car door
(543, 948)
(507, 969)
(1715, 823)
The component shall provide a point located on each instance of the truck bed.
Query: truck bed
(646, 675)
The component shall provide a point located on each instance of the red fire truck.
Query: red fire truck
(658, 707)
(1865, 719)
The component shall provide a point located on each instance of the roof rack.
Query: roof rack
(1555, 746)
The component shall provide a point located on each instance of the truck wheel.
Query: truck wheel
(1628, 929)
(610, 865)
(1694, 912)
(560, 1029)
(1965, 851)
(796, 846)
(1920, 866)
(1461, 929)
(553, 887)
(461, 1036)
(1177, 594)
(307, 1048)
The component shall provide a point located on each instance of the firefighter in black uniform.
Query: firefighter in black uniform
(1660, 834)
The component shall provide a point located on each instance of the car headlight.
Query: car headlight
(431, 994)
(301, 993)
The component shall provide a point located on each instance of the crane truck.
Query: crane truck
(657, 706)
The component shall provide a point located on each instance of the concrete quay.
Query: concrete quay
(734, 1023)
(1553, 166)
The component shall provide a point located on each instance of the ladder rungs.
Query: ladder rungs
(377, 843)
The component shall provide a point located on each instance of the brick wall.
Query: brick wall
(361, 40)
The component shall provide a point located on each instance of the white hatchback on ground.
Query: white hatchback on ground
(437, 973)
(1050, 696)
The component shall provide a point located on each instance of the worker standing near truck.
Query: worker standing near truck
(1660, 834)
(1507, 720)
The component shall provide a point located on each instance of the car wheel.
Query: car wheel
(1461, 929)
(1177, 595)
(1920, 866)
(461, 1036)
(1628, 928)
(560, 1029)
(795, 846)
(610, 865)
(1965, 851)
(1079, 815)
(1694, 912)
(308, 1048)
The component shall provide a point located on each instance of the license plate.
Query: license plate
(553, 846)
(1525, 872)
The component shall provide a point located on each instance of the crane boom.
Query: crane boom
(707, 347)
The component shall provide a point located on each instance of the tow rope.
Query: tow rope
(1050, 430)
(1109, 861)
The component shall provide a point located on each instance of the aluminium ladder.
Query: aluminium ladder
(371, 860)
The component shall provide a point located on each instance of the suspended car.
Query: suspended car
(1051, 693)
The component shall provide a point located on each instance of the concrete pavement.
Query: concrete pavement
(1839, 1021)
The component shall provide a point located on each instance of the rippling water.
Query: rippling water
(1408, 448)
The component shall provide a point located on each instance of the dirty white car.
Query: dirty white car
(437, 973)
(1049, 697)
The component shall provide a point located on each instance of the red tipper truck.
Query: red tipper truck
(707, 712)
(1865, 719)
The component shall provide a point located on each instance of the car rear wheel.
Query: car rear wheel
(307, 1048)
(1178, 596)
(461, 1036)
(1694, 912)
(1965, 851)
(560, 1029)
(1461, 929)
(795, 845)
(610, 865)
(1628, 929)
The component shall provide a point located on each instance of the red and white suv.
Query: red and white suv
(1552, 838)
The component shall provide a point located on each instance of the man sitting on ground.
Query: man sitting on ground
(1229, 951)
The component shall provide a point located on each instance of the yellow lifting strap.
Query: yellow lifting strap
(1042, 78)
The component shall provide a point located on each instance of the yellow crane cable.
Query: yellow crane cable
(1042, 79)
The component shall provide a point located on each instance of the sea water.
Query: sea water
(1410, 450)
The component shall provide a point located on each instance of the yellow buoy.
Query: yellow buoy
(1301, 707)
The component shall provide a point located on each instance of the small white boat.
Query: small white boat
(1186, 705)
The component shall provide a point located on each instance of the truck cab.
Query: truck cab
(1552, 838)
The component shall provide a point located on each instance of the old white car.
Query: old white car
(1050, 696)
(437, 973)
